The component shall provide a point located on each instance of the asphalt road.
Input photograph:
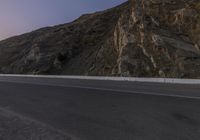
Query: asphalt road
(62, 109)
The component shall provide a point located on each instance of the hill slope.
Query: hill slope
(159, 38)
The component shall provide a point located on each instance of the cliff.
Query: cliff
(145, 38)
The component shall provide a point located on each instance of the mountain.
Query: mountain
(145, 38)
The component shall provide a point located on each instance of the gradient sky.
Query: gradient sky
(20, 16)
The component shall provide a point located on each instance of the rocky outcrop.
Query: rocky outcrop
(159, 38)
(145, 38)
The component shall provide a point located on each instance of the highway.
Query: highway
(74, 109)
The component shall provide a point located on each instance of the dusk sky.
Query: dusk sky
(20, 16)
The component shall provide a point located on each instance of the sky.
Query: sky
(21, 16)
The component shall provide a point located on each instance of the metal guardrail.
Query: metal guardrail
(132, 79)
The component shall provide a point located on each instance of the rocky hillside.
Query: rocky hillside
(146, 38)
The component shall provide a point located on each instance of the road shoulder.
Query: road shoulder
(16, 127)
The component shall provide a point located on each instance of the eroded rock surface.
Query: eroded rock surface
(146, 38)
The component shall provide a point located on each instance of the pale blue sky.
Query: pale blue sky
(20, 16)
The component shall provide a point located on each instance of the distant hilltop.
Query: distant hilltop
(143, 38)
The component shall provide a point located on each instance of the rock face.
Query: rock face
(145, 38)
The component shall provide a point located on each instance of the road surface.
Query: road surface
(70, 109)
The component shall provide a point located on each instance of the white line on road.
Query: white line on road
(114, 91)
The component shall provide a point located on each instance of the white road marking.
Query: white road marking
(117, 91)
(6, 111)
